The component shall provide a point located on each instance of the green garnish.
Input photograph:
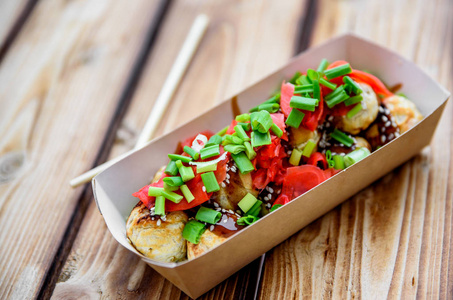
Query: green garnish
(243, 162)
(247, 220)
(214, 140)
(295, 118)
(303, 103)
(355, 88)
(353, 100)
(231, 139)
(329, 159)
(295, 76)
(210, 151)
(210, 182)
(185, 172)
(308, 149)
(243, 118)
(241, 133)
(355, 156)
(338, 71)
(173, 181)
(261, 121)
(312, 74)
(193, 231)
(302, 80)
(247, 202)
(173, 197)
(255, 209)
(194, 154)
(182, 158)
(260, 139)
(206, 167)
(338, 162)
(295, 157)
(223, 131)
(270, 107)
(235, 149)
(155, 191)
(276, 130)
(245, 126)
(171, 168)
(159, 206)
(187, 193)
(354, 111)
(208, 215)
(327, 84)
(306, 88)
(251, 154)
(316, 90)
(323, 65)
(342, 137)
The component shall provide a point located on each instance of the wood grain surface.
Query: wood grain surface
(77, 82)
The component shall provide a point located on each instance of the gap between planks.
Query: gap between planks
(48, 284)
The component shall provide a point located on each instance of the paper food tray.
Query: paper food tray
(113, 187)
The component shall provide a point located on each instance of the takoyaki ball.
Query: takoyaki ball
(404, 111)
(363, 118)
(360, 142)
(157, 238)
(214, 235)
(299, 137)
(234, 188)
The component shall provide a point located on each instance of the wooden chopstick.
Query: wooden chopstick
(171, 83)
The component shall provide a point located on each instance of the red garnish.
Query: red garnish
(279, 120)
(286, 93)
(319, 160)
(269, 164)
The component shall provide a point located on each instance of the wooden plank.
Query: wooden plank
(240, 46)
(59, 88)
(394, 238)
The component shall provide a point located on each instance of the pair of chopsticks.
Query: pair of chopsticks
(171, 83)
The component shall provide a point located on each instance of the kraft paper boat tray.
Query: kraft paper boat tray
(113, 187)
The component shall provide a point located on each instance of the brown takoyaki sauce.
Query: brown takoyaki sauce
(227, 226)
(383, 129)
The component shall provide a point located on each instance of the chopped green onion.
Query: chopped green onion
(353, 100)
(295, 118)
(260, 139)
(303, 103)
(354, 111)
(193, 231)
(329, 159)
(159, 207)
(273, 100)
(355, 88)
(231, 139)
(171, 168)
(214, 140)
(342, 96)
(155, 191)
(303, 80)
(338, 71)
(327, 84)
(316, 90)
(243, 162)
(247, 220)
(295, 76)
(308, 149)
(173, 181)
(185, 172)
(306, 88)
(275, 207)
(173, 197)
(295, 157)
(342, 137)
(247, 202)
(334, 93)
(255, 209)
(187, 193)
(170, 188)
(312, 74)
(338, 162)
(261, 121)
(323, 65)
(223, 131)
(251, 154)
(206, 167)
(241, 133)
(245, 126)
(270, 107)
(235, 149)
(243, 118)
(355, 156)
(208, 215)
(194, 154)
(210, 151)
(182, 158)
(276, 130)
(210, 182)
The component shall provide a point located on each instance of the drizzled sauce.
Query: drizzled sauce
(228, 228)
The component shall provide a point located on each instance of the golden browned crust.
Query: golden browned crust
(208, 240)
(157, 239)
(404, 111)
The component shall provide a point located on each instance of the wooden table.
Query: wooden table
(77, 81)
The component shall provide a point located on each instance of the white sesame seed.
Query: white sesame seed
(152, 218)
(211, 228)
(223, 184)
(268, 205)
(278, 192)
(393, 124)
(267, 188)
(383, 129)
(327, 125)
(383, 138)
(266, 199)
(216, 204)
(271, 190)
(397, 134)
(269, 196)
(203, 188)
(218, 209)
(342, 154)
(228, 176)
(387, 111)
(230, 211)
(164, 218)
(388, 123)
(391, 136)
(223, 210)
(381, 109)
(341, 145)
(227, 181)
(158, 222)
(330, 118)
(384, 118)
